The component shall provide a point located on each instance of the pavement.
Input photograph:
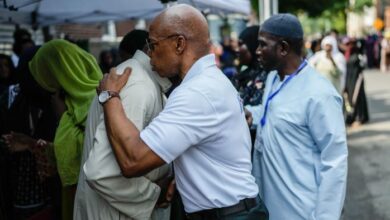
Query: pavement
(368, 189)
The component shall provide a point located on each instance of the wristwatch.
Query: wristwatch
(106, 95)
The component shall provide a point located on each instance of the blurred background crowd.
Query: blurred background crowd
(342, 39)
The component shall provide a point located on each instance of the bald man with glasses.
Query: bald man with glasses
(151, 43)
(202, 129)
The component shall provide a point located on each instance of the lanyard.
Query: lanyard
(271, 96)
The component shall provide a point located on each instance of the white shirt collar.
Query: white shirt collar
(144, 59)
(198, 67)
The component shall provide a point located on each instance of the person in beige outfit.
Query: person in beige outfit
(103, 192)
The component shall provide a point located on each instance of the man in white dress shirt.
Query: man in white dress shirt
(103, 192)
(300, 156)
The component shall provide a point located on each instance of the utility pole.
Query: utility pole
(267, 8)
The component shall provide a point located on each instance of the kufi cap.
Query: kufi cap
(283, 25)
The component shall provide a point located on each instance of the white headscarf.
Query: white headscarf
(337, 56)
(331, 41)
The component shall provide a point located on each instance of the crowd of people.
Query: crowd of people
(340, 59)
(255, 131)
(342, 63)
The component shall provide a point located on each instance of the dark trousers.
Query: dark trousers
(258, 212)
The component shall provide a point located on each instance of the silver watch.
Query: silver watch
(106, 95)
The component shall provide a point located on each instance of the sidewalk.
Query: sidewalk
(368, 190)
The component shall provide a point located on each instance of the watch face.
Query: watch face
(104, 96)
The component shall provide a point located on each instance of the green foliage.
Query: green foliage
(255, 6)
(312, 8)
(360, 5)
(318, 7)
(324, 23)
(319, 15)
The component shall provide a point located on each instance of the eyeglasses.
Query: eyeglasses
(151, 45)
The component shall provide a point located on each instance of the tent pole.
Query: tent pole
(261, 11)
(267, 8)
(275, 7)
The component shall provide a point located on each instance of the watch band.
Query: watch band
(113, 94)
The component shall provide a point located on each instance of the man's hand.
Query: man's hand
(18, 142)
(328, 54)
(112, 81)
(168, 189)
(248, 117)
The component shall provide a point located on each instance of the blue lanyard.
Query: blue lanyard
(271, 96)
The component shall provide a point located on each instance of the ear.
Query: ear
(180, 44)
(285, 48)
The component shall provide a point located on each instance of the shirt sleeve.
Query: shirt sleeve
(188, 119)
(326, 124)
(134, 197)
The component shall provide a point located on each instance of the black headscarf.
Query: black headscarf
(32, 104)
(249, 36)
(11, 78)
(28, 86)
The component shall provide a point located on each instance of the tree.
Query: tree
(313, 9)
(320, 14)
(360, 5)
(318, 7)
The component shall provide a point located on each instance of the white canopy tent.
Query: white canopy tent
(49, 12)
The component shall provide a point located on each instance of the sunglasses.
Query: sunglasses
(152, 45)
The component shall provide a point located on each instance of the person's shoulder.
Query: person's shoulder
(139, 82)
(317, 84)
(138, 72)
(212, 82)
(193, 92)
(200, 81)
(313, 77)
(190, 99)
(132, 63)
(272, 74)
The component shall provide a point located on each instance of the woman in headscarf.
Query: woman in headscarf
(357, 111)
(7, 78)
(250, 80)
(6, 73)
(63, 68)
(330, 62)
(30, 115)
